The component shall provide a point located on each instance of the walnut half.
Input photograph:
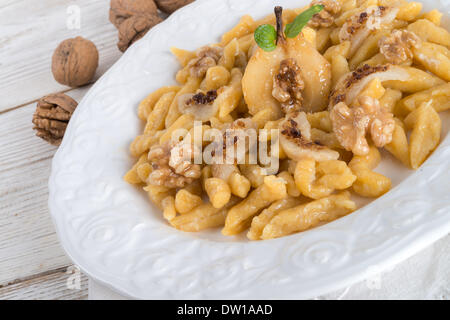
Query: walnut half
(288, 86)
(397, 47)
(206, 57)
(173, 165)
(352, 124)
(52, 115)
(325, 18)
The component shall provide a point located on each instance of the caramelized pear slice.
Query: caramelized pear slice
(295, 139)
(351, 85)
(402, 78)
(315, 71)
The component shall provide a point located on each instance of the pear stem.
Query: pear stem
(279, 17)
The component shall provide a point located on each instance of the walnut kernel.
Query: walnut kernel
(397, 47)
(173, 165)
(206, 57)
(288, 86)
(52, 115)
(352, 124)
(325, 18)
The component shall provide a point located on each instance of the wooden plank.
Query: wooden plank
(28, 39)
(28, 243)
(61, 284)
(32, 264)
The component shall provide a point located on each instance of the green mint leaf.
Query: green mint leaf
(265, 37)
(293, 29)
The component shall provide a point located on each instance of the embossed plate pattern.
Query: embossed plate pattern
(109, 229)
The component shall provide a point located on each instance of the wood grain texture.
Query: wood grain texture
(28, 243)
(31, 258)
(61, 284)
(30, 31)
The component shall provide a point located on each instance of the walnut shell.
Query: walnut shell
(52, 115)
(134, 28)
(74, 62)
(169, 6)
(121, 10)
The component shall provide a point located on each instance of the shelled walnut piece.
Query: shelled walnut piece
(52, 115)
(169, 6)
(206, 57)
(397, 48)
(352, 124)
(288, 86)
(75, 61)
(172, 165)
(325, 18)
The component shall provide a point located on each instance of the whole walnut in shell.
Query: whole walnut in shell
(169, 6)
(74, 62)
(52, 115)
(134, 28)
(121, 10)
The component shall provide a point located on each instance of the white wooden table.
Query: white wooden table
(32, 263)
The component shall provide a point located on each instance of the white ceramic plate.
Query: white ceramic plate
(112, 232)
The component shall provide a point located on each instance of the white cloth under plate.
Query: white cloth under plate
(425, 275)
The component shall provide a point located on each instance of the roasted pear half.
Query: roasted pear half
(259, 81)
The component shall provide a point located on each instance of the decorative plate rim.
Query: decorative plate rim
(132, 252)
